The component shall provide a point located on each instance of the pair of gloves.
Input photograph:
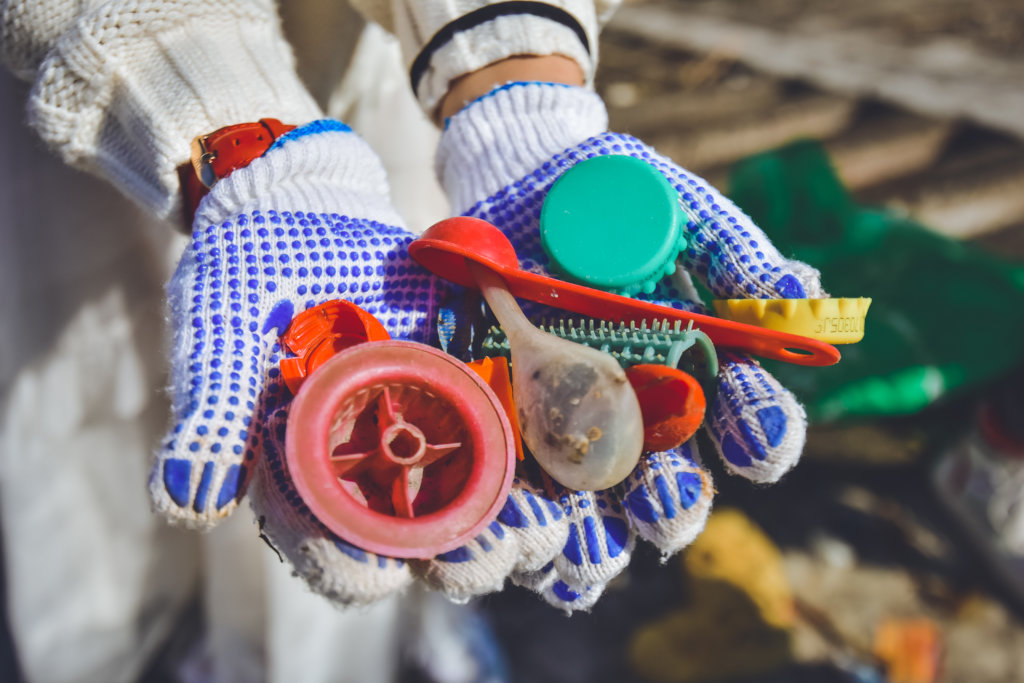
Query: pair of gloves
(311, 221)
(121, 86)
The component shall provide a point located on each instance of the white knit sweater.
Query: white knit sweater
(120, 87)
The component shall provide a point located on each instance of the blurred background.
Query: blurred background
(883, 142)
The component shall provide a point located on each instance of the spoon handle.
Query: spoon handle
(500, 300)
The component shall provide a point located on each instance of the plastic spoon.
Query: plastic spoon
(578, 413)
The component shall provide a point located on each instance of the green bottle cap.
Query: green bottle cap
(613, 222)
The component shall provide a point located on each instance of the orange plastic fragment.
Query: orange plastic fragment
(910, 648)
(495, 372)
(318, 333)
(672, 404)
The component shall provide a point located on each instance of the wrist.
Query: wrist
(443, 42)
(319, 168)
(520, 68)
(511, 131)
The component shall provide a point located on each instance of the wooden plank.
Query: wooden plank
(970, 203)
(676, 110)
(939, 77)
(885, 148)
(809, 116)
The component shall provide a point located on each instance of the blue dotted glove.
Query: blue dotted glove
(497, 159)
(308, 222)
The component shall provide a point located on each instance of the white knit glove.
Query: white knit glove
(497, 159)
(308, 222)
(126, 84)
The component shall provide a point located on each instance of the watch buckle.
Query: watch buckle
(202, 161)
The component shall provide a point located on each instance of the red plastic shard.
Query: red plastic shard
(318, 333)
(494, 370)
(672, 403)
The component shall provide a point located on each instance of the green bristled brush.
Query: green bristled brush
(629, 343)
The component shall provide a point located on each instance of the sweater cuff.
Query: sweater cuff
(130, 84)
(443, 41)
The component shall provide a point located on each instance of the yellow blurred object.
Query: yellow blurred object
(720, 636)
(836, 321)
(741, 604)
(910, 648)
(735, 550)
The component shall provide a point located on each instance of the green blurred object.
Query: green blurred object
(946, 315)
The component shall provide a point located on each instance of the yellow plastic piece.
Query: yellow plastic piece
(835, 321)
(735, 550)
(740, 597)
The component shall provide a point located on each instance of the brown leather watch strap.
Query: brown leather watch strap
(217, 154)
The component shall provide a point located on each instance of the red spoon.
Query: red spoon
(445, 246)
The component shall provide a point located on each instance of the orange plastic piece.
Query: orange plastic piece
(318, 333)
(672, 403)
(910, 648)
(495, 372)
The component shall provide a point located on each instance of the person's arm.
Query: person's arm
(120, 88)
(455, 51)
(515, 118)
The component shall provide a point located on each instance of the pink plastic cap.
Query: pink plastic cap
(400, 449)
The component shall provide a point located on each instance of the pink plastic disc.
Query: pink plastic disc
(400, 449)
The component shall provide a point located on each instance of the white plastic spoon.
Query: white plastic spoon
(578, 414)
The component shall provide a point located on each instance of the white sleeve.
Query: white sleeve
(444, 39)
(121, 87)
(28, 29)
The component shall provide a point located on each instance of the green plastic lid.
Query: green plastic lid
(614, 223)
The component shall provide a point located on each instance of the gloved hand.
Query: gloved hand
(123, 88)
(244, 276)
(497, 159)
(307, 222)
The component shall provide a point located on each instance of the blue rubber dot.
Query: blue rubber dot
(460, 554)
(564, 593)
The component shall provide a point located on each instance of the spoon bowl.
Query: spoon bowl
(576, 408)
(444, 247)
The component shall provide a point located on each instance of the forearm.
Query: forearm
(550, 69)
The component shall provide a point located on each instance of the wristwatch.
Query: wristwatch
(215, 155)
